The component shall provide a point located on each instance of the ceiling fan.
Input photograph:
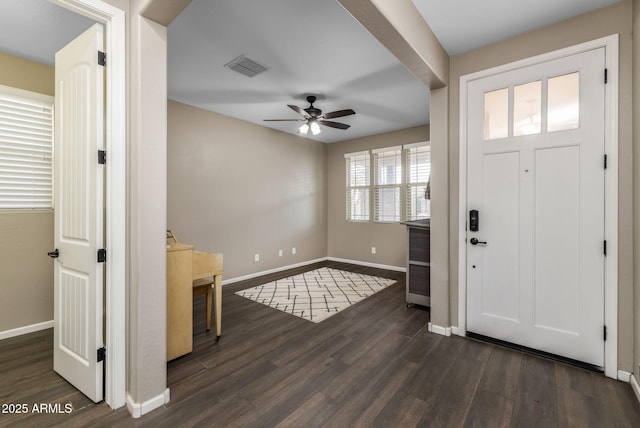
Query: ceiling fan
(312, 117)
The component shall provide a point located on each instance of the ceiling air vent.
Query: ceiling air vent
(246, 66)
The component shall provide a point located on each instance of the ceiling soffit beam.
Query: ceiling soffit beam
(163, 12)
(399, 26)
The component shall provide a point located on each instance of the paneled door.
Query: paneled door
(79, 214)
(535, 261)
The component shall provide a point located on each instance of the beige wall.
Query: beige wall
(26, 278)
(241, 189)
(615, 19)
(353, 240)
(28, 75)
(636, 179)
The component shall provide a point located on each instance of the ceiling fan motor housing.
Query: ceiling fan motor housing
(311, 110)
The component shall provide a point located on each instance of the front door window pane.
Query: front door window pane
(496, 114)
(563, 111)
(527, 102)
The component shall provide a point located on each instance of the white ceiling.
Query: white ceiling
(310, 47)
(479, 23)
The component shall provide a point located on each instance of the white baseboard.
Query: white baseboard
(635, 386)
(26, 329)
(310, 262)
(624, 376)
(139, 409)
(267, 272)
(444, 331)
(456, 331)
(368, 264)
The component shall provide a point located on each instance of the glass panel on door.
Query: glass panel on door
(527, 103)
(563, 104)
(496, 114)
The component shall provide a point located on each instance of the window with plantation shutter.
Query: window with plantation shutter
(358, 185)
(418, 160)
(387, 165)
(26, 149)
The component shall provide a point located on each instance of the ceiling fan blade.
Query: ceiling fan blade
(339, 113)
(283, 120)
(332, 124)
(298, 110)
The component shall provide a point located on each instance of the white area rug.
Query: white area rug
(318, 294)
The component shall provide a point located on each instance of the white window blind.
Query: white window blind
(387, 164)
(418, 175)
(26, 149)
(358, 185)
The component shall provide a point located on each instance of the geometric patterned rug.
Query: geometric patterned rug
(318, 294)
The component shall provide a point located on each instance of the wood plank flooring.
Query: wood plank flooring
(373, 365)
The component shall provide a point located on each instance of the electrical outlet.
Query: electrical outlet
(293, 250)
(373, 250)
(279, 253)
(256, 258)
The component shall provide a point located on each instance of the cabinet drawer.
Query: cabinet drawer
(419, 280)
(419, 248)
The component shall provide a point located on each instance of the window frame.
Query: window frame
(349, 158)
(397, 152)
(408, 185)
(372, 186)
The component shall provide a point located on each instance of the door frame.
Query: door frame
(115, 196)
(610, 43)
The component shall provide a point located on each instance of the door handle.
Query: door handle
(474, 241)
(54, 254)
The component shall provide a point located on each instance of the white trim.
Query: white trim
(610, 43)
(354, 154)
(456, 331)
(386, 149)
(416, 145)
(369, 264)
(267, 272)
(26, 329)
(23, 93)
(635, 386)
(310, 262)
(624, 376)
(139, 409)
(116, 185)
(611, 207)
(443, 331)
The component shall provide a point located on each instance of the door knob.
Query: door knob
(474, 241)
(54, 254)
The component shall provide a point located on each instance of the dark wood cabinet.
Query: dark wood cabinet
(418, 262)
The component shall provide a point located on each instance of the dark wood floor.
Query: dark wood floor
(373, 365)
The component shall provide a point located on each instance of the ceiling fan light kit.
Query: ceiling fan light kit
(313, 118)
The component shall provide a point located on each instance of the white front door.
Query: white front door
(79, 211)
(535, 264)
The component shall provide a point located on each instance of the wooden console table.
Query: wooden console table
(184, 266)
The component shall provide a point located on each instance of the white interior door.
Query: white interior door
(536, 178)
(79, 211)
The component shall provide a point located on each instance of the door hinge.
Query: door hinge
(605, 247)
(605, 161)
(102, 58)
(605, 75)
(101, 354)
(102, 255)
(604, 332)
(102, 157)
